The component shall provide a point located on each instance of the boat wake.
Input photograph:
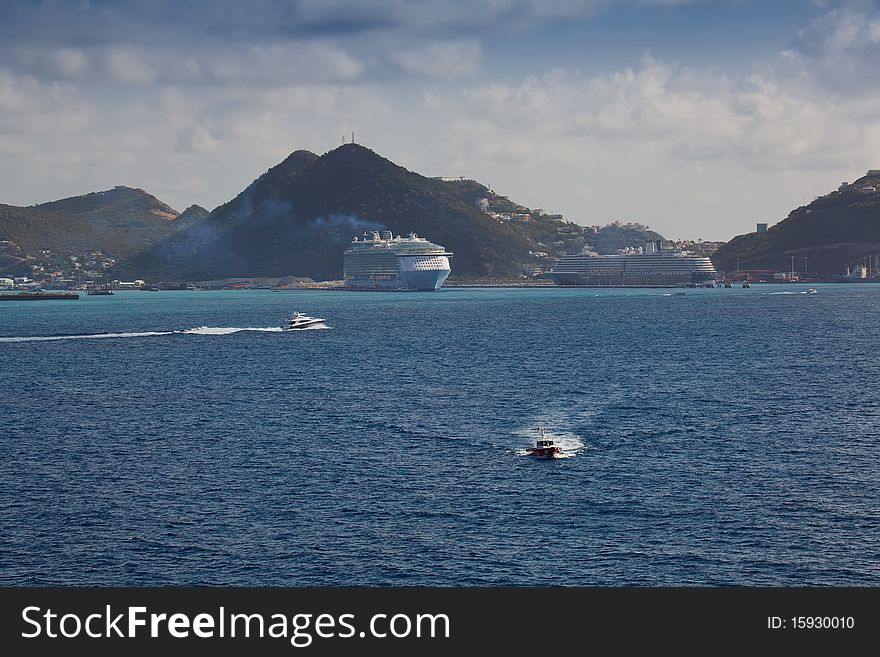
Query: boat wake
(227, 330)
(87, 336)
(201, 330)
(570, 443)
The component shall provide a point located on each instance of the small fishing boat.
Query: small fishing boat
(545, 448)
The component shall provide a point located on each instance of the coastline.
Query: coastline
(243, 284)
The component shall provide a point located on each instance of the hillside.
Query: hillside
(192, 214)
(119, 206)
(832, 232)
(33, 230)
(298, 218)
(28, 232)
(117, 222)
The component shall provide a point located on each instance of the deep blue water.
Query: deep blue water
(724, 436)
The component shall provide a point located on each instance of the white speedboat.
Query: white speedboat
(300, 320)
(812, 290)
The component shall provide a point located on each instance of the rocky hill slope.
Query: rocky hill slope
(834, 231)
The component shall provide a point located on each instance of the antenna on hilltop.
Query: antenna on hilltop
(343, 139)
(352, 136)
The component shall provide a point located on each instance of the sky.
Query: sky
(698, 118)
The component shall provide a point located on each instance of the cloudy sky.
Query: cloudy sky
(696, 117)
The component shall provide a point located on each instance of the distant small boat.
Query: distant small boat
(728, 285)
(746, 284)
(545, 448)
(101, 291)
(812, 290)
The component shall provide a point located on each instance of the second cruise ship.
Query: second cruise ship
(381, 261)
(653, 267)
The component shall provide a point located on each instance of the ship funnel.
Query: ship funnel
(653, 246)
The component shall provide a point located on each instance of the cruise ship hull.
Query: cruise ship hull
(425, 281)
(650, 280)
(652, 268)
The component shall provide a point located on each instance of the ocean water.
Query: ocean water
(722, 436)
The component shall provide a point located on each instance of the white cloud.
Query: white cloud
(668, 145)
(197, 139)
(444, 60)
(28, 106)
(68, 62)
(838, 51)
(318, 61)
(184, 145)
(460, 14)
(129, 66)
(689, 150)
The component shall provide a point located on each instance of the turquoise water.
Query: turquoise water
(722, 436)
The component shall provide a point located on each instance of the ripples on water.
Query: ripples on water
(725, 436)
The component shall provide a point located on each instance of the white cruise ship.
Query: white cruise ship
(653, 267)
(381, 261)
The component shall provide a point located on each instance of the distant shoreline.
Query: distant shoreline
(477, 284)
(506, 285)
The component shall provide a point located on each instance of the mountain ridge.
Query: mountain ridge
(298, 217)
(117, 222)
(121, 202)
(832, 232)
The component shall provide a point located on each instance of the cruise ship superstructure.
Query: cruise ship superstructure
(653, 267)
(382, 261)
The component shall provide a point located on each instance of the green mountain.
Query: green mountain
(298, 218)
(117, 222)
(616, 236)
(25, 232)
(834, 231)
(117, 207)
(191, 215)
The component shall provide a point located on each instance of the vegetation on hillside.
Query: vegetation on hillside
(52, 236)
(298, 218)
(834, 231)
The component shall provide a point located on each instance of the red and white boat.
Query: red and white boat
(545, 448)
